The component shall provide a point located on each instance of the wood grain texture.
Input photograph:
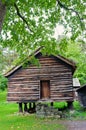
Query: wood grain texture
(24, 84)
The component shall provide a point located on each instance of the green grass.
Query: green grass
(11, 120)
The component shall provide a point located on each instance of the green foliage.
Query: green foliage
(76, 52)
(7, 59)
(60, 105)
(3, 82)
(77, 106)
(2, 96)
(32, 24)
(41, 19)
(78, 113)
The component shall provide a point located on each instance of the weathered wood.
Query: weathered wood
(24, 84)
(45, 89)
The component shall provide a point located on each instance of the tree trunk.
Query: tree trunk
(2, 14)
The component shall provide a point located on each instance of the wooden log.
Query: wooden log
(24, 84)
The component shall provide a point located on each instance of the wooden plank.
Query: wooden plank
(27, 80)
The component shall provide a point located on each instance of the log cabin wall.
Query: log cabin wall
(24, 83)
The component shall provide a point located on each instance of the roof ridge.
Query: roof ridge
(12, 70)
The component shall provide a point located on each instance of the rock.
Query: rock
(43, 110)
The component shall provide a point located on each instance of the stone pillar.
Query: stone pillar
(20, 107)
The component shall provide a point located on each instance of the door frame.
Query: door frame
(41, 87)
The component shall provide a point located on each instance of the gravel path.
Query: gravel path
(75, 125)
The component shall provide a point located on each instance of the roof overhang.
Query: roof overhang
(67, 61)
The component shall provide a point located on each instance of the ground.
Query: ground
(10, 119)
(75, 125)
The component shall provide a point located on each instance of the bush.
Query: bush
(60, 105)
(77, 105)
(3, 82)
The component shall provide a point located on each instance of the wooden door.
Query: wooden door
(45, 89)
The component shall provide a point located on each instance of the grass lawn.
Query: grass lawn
(11, 120)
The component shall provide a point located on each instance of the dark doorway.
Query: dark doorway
(44, 89)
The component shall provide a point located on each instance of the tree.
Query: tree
(29, 24)
(74, 51)
(7, 59)
(3, 82)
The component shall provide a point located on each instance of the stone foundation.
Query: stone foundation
(43, 110)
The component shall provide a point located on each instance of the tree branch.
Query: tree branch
(22, 17)
(70, 9)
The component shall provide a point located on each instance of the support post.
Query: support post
(25, 107)
(20, 107)
(52, 104)
(70, 105)
(34, 105)
(30, 105)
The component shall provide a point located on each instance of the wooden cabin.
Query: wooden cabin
(51, 81)
(82, 95)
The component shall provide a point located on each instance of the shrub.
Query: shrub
(60, 105)
(3, 82)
